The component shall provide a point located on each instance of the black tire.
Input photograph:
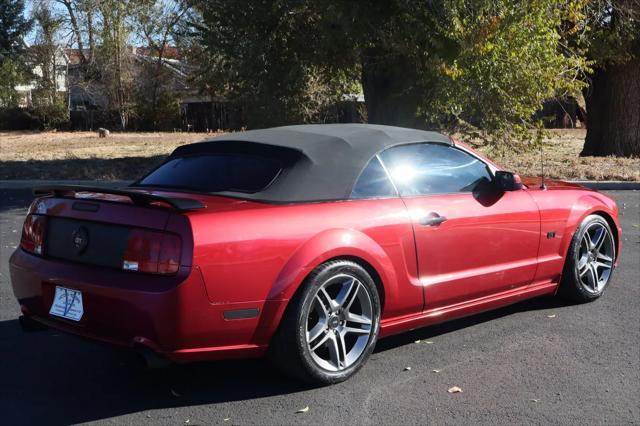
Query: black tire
(289, 350)
(572, 287)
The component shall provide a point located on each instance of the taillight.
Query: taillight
(153, 252)
(32, 239)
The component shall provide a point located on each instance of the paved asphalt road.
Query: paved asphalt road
(539, 362)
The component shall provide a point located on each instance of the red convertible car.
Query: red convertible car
(307, 243)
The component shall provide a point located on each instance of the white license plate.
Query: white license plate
(67, 303)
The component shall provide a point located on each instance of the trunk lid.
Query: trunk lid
(94, 226)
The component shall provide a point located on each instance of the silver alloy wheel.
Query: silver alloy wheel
(595, 257)
(339, 322)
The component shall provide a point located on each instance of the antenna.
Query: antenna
(542, 184)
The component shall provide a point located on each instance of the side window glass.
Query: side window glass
(373, 182)
(424, 169)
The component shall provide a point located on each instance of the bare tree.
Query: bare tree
(43, 53)
(113, 55)
(49, 66)
(103, 30)
(73, 9)
(157, 23)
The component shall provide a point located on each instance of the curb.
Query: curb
(28, 184)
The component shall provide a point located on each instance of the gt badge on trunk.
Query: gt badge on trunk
(80, 239)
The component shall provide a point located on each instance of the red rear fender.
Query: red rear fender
(331, 244)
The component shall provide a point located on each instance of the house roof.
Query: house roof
(75, 55)
(331, 156)
(170, 52)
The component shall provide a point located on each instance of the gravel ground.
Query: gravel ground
(537, 362)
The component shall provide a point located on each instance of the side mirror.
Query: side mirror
(507, 181)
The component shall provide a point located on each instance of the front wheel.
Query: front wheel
(331, 325)
(590, 260)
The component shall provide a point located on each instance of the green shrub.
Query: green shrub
(53, 116)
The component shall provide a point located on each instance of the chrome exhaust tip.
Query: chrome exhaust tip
(151, 360)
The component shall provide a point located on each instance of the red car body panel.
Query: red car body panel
(473, 255)
(242, 255)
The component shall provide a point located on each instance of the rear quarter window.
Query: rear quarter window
(216, 172)
(373, 182)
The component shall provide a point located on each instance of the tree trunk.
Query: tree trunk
(386, 82)
(157, 81)
(92, 43)
(120, 44)
(75, 28)
(613, 111)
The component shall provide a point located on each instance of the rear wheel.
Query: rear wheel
(590, 259)
(331, 325)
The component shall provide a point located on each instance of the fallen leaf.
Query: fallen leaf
(454, 389)
(436, 371)
(551, 316)
(428, 342)
(187, 421)
(417, 341)
(407, 369)
(303, 410)
(226, 419)
(535, 400)
(174, 393)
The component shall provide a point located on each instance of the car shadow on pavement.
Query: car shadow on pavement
(49, 377)
(426, 333)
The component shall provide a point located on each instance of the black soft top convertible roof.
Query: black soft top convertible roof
(329, 159)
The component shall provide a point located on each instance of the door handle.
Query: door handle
(432, 219)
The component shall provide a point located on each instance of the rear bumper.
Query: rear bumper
(170, 316)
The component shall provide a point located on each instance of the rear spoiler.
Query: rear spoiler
(137, 198)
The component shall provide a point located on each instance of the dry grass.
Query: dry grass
(82, 155)
(59, 145)
(562, 160)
